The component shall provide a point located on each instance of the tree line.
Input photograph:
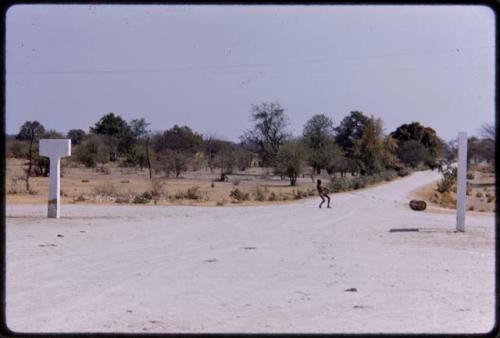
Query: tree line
(357, 145)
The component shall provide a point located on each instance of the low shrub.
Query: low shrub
(121, 200)
(103, 170)
(106, 189)
(359, 182)
(140, 200)
(239, 195)
(284, 197)
(192, 193)
(389, 175)
(236, 182)
(80, 198)
(402, 172)
(479, 194)
(299, 194)
(85, 181)
(448, 181)
(219, 204)
(447, 200)
(272, 197)
(489, 198)
(260, 194)
(470, 176)
(339, 184)
(147, 195)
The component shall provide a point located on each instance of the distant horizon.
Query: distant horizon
(87, 129)
(204, 65)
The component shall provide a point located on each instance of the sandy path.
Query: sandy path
(282, 268)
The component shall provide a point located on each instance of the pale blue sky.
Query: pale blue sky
(203, 66)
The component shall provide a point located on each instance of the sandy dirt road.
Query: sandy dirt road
(282, 268)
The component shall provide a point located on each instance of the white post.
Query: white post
(54, 149)
(461, 180)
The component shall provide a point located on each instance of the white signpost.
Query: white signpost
(54, 149)
(461, 180)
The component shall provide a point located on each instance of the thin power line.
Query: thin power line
(222, 67)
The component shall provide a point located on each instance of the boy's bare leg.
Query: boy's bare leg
(322, 201)
(328, 201)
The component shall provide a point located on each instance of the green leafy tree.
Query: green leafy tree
(369, 149)
(139, 128)
(334, 159)
(290, 160)
(92, 150)
(390, 153)
(179, 139)
(76, 135)
(426, 136)
(269, 131)
(118, 133)
(318, 134)
(412, 153)
(175, 148)
(351, 130)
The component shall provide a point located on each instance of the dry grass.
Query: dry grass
(111, 184)
(479, 198)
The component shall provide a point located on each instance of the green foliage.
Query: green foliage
(369, 149)
(350, 130)
(318, 135)
(178, 139)
(91, 151)
(17, 149)
(76, 135)
(412, 153)
(30, 131)
(139, 128)
(110, 124)
(119, 137)
(192, 193)
(426, 136)
(339, 184)
(290, 161)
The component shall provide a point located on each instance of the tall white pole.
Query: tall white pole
(54, 187)
(461, 180)
(54, 149)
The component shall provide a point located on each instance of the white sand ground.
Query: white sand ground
(282, 268)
